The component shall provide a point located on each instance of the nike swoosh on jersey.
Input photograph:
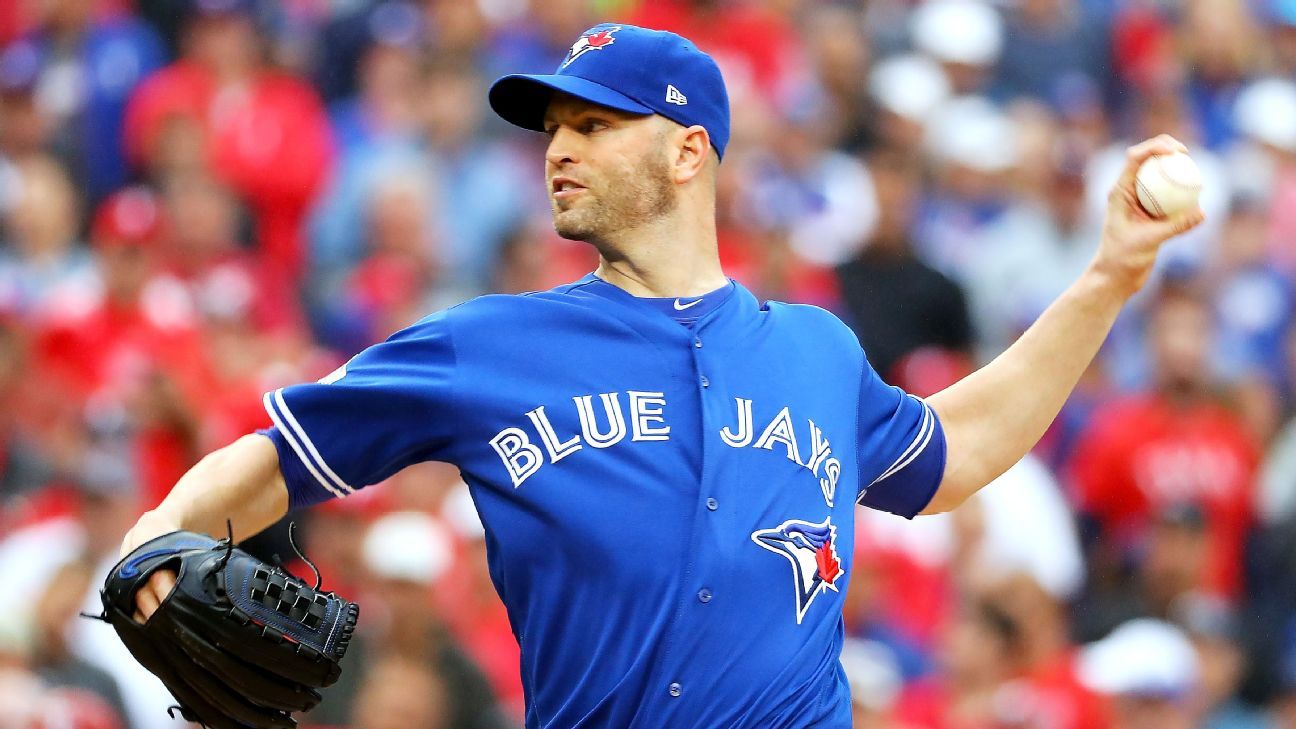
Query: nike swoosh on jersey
(682, 307)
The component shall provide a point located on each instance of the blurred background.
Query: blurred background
(202, 200)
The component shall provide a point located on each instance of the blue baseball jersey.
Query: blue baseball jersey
(668, 509)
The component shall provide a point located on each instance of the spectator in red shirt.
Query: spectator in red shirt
(132, 355)
(975, 661)
(205, 254)
(236, 305)
(263, 132)
(1005, 661)
(1047, 690)
(1173, 445)
(131, 308)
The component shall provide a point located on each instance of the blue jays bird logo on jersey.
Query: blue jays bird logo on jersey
(596, 41)
(812, 550)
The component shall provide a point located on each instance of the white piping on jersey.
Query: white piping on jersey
(310, 446)
(297, 437)
(292, 441)
(919, 444)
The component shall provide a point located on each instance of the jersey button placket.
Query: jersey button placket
(697, 361)
(675, 689)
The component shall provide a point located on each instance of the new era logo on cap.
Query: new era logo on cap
(673, 96)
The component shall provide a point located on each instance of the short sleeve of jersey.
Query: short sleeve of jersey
(388, 407)
(901, 449)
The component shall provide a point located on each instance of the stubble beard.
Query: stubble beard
(638, 197)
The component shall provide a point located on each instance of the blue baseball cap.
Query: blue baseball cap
(628, 68)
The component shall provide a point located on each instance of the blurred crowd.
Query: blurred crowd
(202, 200)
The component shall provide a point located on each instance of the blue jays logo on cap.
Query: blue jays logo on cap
(635, 70)
(812, 550)
(595, 41)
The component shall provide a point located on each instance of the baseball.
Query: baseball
(1168, 184)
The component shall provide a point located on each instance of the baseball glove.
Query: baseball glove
(239, 643)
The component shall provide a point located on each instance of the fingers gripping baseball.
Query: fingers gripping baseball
(1131, 235)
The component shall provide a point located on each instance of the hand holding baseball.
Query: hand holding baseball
(1168, 184)
(1131, 235)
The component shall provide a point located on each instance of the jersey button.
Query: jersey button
(704, 595)
(676, 689)
(697, 343)
(705, 381)
(712, 504)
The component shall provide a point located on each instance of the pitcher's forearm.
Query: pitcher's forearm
(993, 417)
(996, 415)
(240, 482)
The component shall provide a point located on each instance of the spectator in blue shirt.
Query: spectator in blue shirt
(81, 71)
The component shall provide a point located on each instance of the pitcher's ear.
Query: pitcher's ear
(693, 150)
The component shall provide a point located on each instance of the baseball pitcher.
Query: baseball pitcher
(667, 468)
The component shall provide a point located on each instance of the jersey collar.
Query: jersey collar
(733, 312)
